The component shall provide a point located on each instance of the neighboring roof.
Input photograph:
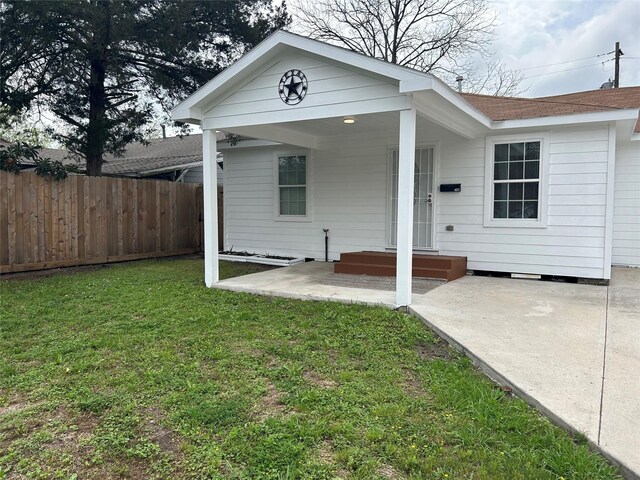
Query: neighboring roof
(513, 108)
(140, 160)
(159, 154)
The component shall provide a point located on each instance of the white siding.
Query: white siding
(572, 244)
(193, 175)
(328, 86)
(348, 183)
(626, 207)
(349, 195)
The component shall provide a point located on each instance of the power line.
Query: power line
(566, 70)
(570, 61)
(559, 63)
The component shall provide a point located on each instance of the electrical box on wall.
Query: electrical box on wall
(450, 187)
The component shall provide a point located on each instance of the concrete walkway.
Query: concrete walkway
(572, 350)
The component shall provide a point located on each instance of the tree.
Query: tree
(437, 36)
(102, 66)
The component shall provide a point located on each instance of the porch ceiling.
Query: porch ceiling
(308, 133)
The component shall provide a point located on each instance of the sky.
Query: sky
(535, 33)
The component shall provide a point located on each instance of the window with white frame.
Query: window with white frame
(292, 185)
(516, 180)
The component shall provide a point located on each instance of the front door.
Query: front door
(422, 198)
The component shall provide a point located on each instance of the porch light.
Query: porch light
(349, 120)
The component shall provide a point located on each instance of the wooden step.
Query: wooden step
(384, 264)
(385, 258)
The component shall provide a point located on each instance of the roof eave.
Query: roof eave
(569, 119)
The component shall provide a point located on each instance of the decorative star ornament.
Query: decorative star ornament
(293, 87)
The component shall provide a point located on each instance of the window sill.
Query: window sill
(292, 218)
(514, 224)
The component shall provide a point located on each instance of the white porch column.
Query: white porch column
(406, 174)
(210, 187)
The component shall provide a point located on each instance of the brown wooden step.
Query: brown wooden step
(388, 258)
(384, 264)
(389, 271)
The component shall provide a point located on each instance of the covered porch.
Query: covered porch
(356, 125)
(403, 133)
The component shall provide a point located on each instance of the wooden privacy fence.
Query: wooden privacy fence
(86, 220)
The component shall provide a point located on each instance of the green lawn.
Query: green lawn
(139, 371)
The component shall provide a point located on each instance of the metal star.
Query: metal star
(292, 87)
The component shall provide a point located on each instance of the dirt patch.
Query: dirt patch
(270, 405)
(412, 385)
(17, 406)
(318, 380)
(433, 351)
(154, 430)
(327, 456)
(387, 471)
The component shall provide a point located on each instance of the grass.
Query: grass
(138, 371)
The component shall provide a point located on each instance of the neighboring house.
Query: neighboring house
(391, 159)
(177, 159)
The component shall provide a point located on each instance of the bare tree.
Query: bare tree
(437, 36)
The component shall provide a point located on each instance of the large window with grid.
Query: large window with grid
(292, 185)
(516, 180)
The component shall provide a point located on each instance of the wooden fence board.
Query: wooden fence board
(88, 220)
(4, 221)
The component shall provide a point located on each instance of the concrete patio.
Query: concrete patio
(571, 350)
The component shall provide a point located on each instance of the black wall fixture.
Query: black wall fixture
(450, 187)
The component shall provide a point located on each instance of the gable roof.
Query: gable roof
(409, 79)
(515, 108)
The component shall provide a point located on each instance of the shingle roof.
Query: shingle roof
(159, 154)
(511, 108)
(139, 160)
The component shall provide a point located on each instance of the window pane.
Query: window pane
(532, 151)
(293, 201)
(531, 169)
(500, 171)
(515, 191)
(515, 209)
(501, 191)
(516, 151)
(499, 209)
(516, 169)
(501, 152)
(292, 170)
(530, 210)
(531, 191)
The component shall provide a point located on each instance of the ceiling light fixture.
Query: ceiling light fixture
(349, 120)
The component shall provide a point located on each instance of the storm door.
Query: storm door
(422, 199)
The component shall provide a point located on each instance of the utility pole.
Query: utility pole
(616, 78)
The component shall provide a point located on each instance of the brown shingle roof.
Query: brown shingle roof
(511, 108)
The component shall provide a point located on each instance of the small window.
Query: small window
(516, 180)
(292, 185)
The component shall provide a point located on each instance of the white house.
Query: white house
(391, 159)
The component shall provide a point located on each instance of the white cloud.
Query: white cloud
(547, 32)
